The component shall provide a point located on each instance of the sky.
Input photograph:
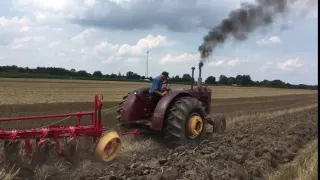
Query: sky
(113, 36)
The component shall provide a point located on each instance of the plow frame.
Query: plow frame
(94, 129)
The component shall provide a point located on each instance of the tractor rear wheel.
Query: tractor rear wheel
(119, 112)
(185, 121)
(120, 104)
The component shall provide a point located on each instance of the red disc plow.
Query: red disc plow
(107, 141)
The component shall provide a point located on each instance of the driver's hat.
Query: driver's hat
(165, 73)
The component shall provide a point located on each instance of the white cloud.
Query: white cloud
(133, 60)
(305, 8)
(104, 46)
(265, 67)
(13, 27)
(262, 69)
(85, 35)
(89, 46)
(128, 14)
(40, 4)
(14, 22)
(143, 45)
(269, 41)
(90, 2)
(27, 39)
(90, 36)
(90, 40)
(3, 57)
(179, 58)
(232, 62)
(24, 29)
(24, 42)
(216, 63)
(54, 44)
(140, 48)
(290, 64)
(18, 32)
(17, 46)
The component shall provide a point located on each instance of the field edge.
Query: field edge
(304, 166)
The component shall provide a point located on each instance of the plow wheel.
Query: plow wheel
(108, 146)
(185, 121)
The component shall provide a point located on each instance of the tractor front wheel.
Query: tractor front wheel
(219, 123)
(185, 121)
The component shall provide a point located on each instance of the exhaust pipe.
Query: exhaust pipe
(192, 78)
(199, 78)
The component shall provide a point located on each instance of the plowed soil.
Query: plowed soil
(248, 151)
(252, 146)
(230, 106)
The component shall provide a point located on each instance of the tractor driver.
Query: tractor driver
(155, 90)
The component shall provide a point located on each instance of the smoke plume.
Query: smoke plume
(243, 21)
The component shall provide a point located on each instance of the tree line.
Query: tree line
(245, 80)
(62, 73)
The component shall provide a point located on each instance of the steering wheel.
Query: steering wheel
(166, 88)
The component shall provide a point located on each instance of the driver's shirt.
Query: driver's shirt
(156, 84)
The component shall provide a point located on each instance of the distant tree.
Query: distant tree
(241, 80)
(83, 73)
(113, 76)
(232, 80)
(132, 75)
(223, 79)
(210, 80)
(246, 80)
(97, 74)
(21, 70)
(187, 78)
(278, 84)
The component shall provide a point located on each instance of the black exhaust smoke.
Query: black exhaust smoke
(245, 20)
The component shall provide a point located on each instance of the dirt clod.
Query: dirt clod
(170, 174)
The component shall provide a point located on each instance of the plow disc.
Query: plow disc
(41, 143)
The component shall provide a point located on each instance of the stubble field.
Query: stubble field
(271, 133)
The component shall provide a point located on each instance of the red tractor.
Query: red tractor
(181, 115)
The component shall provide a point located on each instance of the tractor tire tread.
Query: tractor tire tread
(122, 127)
(177, 116)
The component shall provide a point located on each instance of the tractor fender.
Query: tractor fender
(162, 106)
